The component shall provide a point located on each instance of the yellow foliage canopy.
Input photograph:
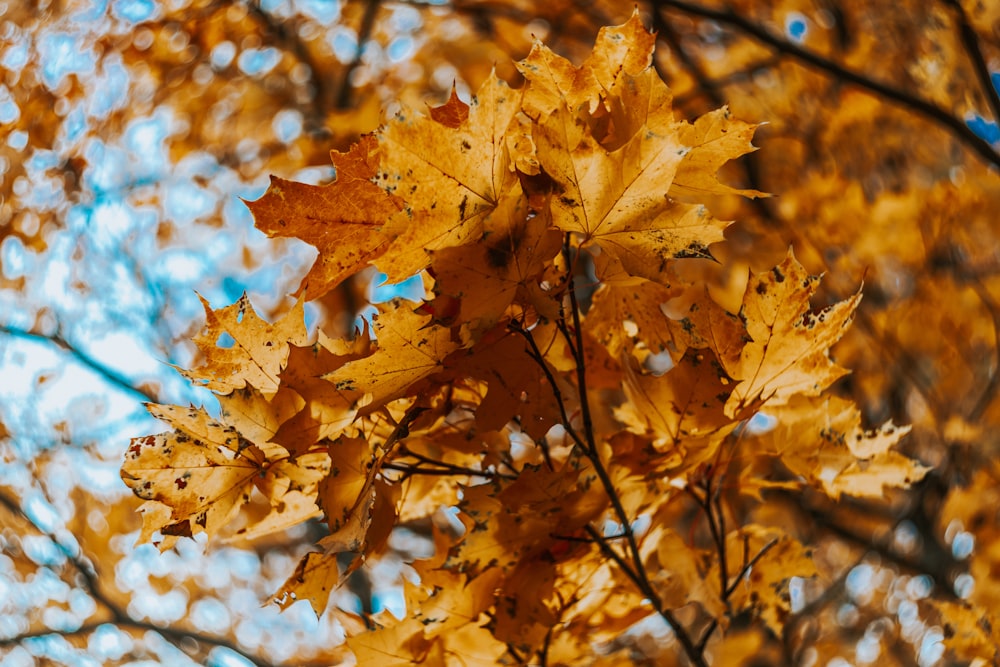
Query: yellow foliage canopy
(553, 416)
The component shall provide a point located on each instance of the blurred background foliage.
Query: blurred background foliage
(130, 129)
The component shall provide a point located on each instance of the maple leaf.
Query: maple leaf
(682, 573)
(325, 410)
(821, 439)
(555, 83)
(202, 472)
(291, 487)
(684, 407)
(315, 578)
(444, 600)
(622, 317)
(486, 277)
(452, 169)
(645, 318)
(347, 493)
(713, 139)
(344, 220)
(410, 348)
(401, 644)
(517, 386)
(523, 613)
(257, 417)
(506, 524)
(968, 633)
(258, 349)
(617, 197)
(777, 558)
(789, 348)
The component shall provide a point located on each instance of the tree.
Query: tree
(621, 424)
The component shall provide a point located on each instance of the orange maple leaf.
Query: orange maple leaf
(344, 220)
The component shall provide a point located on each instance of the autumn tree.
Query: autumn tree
(605, 424)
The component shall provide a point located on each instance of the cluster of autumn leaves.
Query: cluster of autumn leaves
(560, 384)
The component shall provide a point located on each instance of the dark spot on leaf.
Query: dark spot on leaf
(694, 250)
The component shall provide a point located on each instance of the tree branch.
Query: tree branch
(112, 376)
(919, 105)
(632, 547)
(970, 40)
(90, 583)
(990, 390)
(731, 588)
(343, 99)
(323, 98)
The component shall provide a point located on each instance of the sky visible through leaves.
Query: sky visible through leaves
(121, 320)
(130, 215)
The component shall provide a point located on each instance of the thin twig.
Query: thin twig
(638, 567)
(536, 354)
(517, 656)
(444, 470)
(730, 589)
(749, 565)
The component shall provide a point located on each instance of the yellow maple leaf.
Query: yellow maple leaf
(202, 472)
(324, 410)
(347, 493)
(516, 386)
(257, 417)
(444, 600)
(409, 348)
(486, 276)
(682, 574)
(613, 189)
(822, 440)
(291, 487)
(764, 587)
(452, 169)
(713, 139)
(620, 51)
(401, 644)
(788, 352)
(684, 408)
(257, 349)
(316, 576)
